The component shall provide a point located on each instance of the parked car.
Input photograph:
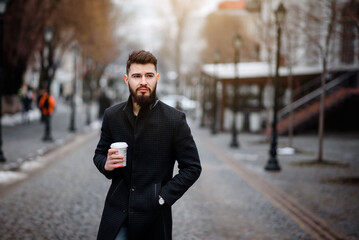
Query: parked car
(181, 102)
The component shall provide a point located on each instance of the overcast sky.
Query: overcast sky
(146, 21)
(148, 25)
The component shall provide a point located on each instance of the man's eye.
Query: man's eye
(149, 75)
(136, 76)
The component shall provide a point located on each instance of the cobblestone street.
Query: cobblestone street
(65, 201)
(221, 205)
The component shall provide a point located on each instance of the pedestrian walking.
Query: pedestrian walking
(26, 100)
(138, 203)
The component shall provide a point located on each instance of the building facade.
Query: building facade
(303, 49)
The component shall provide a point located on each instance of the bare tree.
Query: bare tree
(294, 41)
(322, 19)
(90, 23)
(181, 10)
(325, 48)
(177, 14)
(23, 31)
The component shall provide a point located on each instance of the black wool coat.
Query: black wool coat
(156, 138)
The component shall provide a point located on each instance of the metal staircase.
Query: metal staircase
(306, 108)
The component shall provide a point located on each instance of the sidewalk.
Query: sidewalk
(330, 192)
(22, 142)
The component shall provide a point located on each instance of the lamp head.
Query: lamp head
(49, 33)
(280, 14)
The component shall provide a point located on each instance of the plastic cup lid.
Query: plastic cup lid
(119, 145)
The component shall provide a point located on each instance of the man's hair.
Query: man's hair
(140, 57)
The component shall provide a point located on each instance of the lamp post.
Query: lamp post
(272, 164)
(48, 35)
(202, 81)
(89, 91)
(237, 41)
(216, 57)
(2, 11)
(72, 127)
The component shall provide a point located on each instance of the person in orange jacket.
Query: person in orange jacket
(47, 106)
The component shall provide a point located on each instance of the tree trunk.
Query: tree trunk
(321, 113)
(178, 59)
(291, 114)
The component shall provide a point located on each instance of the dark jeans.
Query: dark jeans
(122, 234)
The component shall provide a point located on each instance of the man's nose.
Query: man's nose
(143, 80)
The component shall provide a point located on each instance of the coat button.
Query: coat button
(133, 188)
(124, 210)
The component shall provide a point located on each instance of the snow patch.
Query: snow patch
(9, 176)
(31, 165)
(286, 151)
(11, 120)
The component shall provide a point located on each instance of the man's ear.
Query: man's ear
(125, 77)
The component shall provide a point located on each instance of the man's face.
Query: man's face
(142, 81)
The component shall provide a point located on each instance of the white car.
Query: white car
(180, 102)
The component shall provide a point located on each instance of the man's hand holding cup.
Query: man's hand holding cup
(116, 156)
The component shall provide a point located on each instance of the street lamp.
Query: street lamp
(2, 11)
(237, 41)
(72, 127)
(272, 164)
(216, 57)
(203, 83)
(89, 91)
(48, 35)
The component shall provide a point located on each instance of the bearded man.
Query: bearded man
(138, 203)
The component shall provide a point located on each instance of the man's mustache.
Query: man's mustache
(137, 89)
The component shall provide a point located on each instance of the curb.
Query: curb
(24, 167)
(16, 165)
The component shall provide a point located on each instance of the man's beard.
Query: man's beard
(142, 100)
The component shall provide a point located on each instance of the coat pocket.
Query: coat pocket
(156, 194)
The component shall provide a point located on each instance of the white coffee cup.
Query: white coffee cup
(122, 150)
